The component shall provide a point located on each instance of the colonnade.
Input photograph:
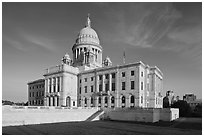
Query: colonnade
(53, 86)
(96, 52)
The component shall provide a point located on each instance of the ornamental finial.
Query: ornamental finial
(88, 22)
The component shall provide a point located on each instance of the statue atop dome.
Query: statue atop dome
(88, 22)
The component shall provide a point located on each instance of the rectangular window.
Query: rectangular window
(141, 74)
(113, 86)
(132, 84)
(132, 73)
(91, 78)
(141, 85)
(80, 81)
(100, 87)
(107, 87)
(85, 79)
(123, 85)
(141, 99)
(58, 88)
(80, 90)
(33, 94)
(123, 74)
(113, 75)
(50, 88)
(91, 88)
(85, 89)
(100, 77)
(30, 94)
(54, 88)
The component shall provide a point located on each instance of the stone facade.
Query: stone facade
(87, 81)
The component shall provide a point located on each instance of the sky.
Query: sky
(35, 36)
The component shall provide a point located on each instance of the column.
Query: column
(103, 82)
(110, 82)
(60, 84)
(55, 100)
(117, 101)
(47, 101)
(45, 85)
(51, 84)
(56, 80)
(97, 84)
(48, 85)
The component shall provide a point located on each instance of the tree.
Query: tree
(184, 108)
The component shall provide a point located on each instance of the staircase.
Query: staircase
(95, 116)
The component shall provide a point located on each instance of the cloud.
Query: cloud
(26, 42)
(144, 24)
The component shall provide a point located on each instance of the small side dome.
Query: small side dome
(107, 61)
(66, 59)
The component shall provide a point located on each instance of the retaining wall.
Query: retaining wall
(12, 115)
(141, 114)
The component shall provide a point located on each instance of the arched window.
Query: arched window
(91, 100)
(112, 100)
(123, 99)
(106, 100)
(132, 99)
(85, 101)
(99, 100)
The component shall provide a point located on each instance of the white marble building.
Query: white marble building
(87, 81)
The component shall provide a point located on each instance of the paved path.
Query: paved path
(97, 128)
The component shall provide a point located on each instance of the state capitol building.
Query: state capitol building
(87, 80)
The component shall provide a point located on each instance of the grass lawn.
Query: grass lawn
(182, 126)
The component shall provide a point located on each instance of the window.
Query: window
(99, 100)
(33, 87)
(123, 85)
(91, 78)
(80, 90)
(100, 87)
(141, 74)
(141, 85)
(107, 75)
(132, 73)
(91, 100)
(123, 74)
(123, 99)
(37, 86)
(80, 81)
(30, 87)
(112, 100)
(33, 94)
(73, 103)
(107, 87)
(106, 100)
(91, 88)
(85, 88)
(141, 99)
(132, 84)
(54, 88)
(30, 94)
(132, 99)
(100, 77)
(113, 75)
(113, 86)
(85, 101)
(85, 79)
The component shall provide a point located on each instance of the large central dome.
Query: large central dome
(87, 35)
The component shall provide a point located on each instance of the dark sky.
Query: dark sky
(35, 36)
